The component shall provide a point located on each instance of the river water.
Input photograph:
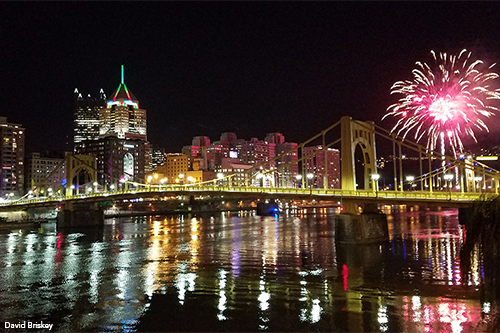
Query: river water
(240, 272)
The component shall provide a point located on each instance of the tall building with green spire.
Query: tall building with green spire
(122, 117)
(122, 149)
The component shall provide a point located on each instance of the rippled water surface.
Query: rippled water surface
(240, 272)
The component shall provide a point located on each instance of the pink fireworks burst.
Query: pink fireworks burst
(450, 98)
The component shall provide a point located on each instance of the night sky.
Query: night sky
(202, 68)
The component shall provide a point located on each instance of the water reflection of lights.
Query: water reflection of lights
(345, 275)
(194, 244)
(316, 311)
(416, 305)
(156, 228)
(49, 253)
(95, 268)
(152, 265)
(383, 319)
(222, 295)
(235, 252)
(438, 315)
(263, 299)
(475, 267)
(122, 279)
(184, 279)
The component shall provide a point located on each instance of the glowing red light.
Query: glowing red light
(345, 274)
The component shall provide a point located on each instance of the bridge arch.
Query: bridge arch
(76, 164)
(354, 134)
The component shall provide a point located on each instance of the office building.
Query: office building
(156, 157)
(45, 171)
(122, 149)
(197, 153)
(86, 116)
(286, 166)
(174, 170)
(11, 159)
(315, 165)
(117, 159)
(122, 117)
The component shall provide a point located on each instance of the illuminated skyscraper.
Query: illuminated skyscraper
(87, 116)
(316, 165)
(287, 165)
(122, 149)
(122, 117)
(11, 158)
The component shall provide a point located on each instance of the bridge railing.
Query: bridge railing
(299, 193)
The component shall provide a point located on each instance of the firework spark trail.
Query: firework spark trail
(451, 96)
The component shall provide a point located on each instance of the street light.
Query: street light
(181, 177)
(375, 177)
(478, 180)
(299, 178)
(448, 178)
(260, 177)
(309, 177)
(410, 179)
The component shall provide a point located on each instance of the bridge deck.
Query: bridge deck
(388, 197)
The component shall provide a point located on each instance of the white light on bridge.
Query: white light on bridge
(448, 177)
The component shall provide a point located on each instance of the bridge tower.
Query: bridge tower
(354, 133)
(76, 164)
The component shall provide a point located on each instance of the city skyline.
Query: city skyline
(206, 69)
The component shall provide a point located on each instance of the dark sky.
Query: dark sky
(203, 68)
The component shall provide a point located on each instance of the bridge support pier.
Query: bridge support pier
(354, 228)
(350, 207)
(82, 215)
(361, 229)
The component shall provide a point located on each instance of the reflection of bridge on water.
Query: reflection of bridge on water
(463, 180)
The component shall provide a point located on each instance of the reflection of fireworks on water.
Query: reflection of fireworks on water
(448, 99)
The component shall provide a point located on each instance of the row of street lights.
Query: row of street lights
(410, 179)
(309, 177)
